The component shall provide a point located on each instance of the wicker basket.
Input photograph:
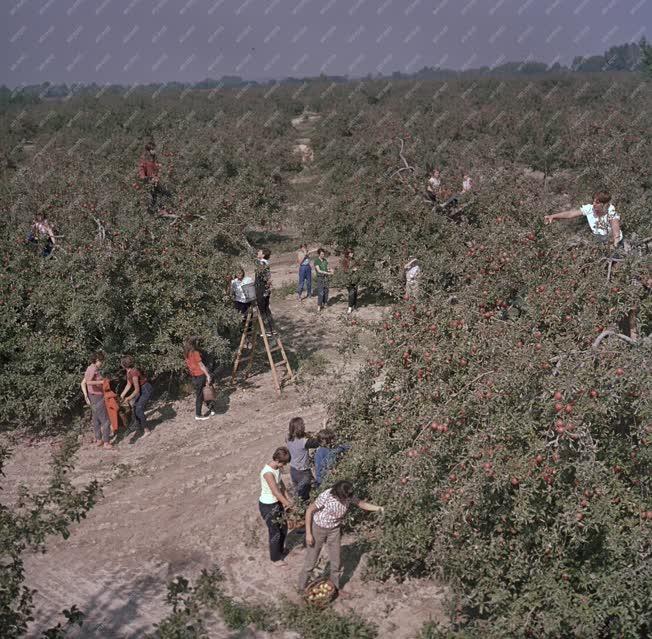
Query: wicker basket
(321, 598)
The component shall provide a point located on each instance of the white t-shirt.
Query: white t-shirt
(236, 287)
(412, 274)
(467, 185)
(266, 494)
(600, 224)
(434, 183)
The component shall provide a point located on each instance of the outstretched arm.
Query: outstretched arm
(372, 508)
(563, 215)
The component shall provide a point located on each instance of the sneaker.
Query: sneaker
(269, 334)
(211, 414)
(350, 310)
(201, 418)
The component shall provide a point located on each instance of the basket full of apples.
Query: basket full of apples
(320, 593)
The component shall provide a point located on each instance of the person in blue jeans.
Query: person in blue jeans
(305, 271)
(326, 454)
(141, 392)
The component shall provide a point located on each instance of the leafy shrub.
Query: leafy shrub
(26, 525)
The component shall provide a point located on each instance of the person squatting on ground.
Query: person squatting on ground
(350, 268)
(323, 527)
(601, 215)
(200, 375)
(92, 387)
(323, 274)
(326, 454)
(263, 283)
(273, 502)
(298, 444)
(140, 395)
(305, 271)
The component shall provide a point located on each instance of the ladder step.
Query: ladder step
(280, 364)
(276, 348)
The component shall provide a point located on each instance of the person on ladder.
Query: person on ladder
(263, 283)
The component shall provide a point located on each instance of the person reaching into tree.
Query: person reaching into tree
(200, 376)
(273, 502)
(92, 386)
(467, 183)
(323, 527)
(263, 283)
(298, 444)
(239, 297)
(350, 268)
(141, 392)
(601, 215)
(323, 274)
(326, 454)
(305, 271)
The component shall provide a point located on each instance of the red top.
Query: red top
(135, 373)
(147, 169)
(193, 360)
(93, 375)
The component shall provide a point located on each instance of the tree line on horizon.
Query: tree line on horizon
(629, 57)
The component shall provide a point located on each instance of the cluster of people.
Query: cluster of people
(323, 516)
(323, 272)
(105, 404)
(435, 191)
(245, 291)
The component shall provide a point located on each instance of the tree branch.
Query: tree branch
(609, 333)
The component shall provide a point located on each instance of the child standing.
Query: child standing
(200, 376)
(298, 444)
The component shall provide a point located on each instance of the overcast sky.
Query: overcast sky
(140, 41)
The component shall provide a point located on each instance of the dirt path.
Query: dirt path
(185, 497)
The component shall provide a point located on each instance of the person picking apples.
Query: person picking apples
(323, 526)
(601, 215)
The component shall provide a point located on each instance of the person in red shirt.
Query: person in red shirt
(141, 392)
(92, 386)
(148, 172)
(200, 375)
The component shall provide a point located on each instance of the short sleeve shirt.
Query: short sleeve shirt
(330, 510)
(322, 264)
(193, 360)
(93, 375)
(134, 373)
(434, 183)
(600, 224)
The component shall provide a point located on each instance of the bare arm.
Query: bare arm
(205, 371)
(276, 490)
(563, 215)
(127, 388)
(85, 391)
(136, 390)
(310, 541)
(372, 508)
(615, 231)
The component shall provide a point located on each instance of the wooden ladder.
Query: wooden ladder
(258, 328)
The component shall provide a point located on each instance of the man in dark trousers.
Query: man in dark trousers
(263, 283)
